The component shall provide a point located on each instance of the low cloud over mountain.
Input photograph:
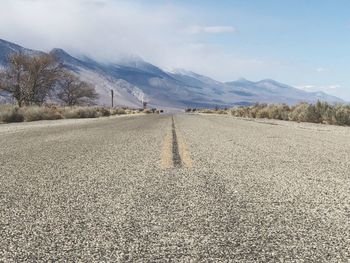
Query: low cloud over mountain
(134, 80)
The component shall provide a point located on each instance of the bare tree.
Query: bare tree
(73, 91)
(15, 77)
(30, 78)
(44, 72)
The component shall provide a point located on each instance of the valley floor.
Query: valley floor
(117, 189)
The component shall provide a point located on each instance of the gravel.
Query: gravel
(94, 191)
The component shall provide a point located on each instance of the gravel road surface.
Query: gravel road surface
(96, 190)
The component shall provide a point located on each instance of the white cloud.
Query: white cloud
(103, 29)
(332, 87)
(320, 70)
(107, 29)
(325, 88)
(211, 29)
(306, 87)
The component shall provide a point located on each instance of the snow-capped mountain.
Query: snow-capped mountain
(133, 80)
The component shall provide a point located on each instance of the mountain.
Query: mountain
(271, 91)
(134, 80)
(7, 48)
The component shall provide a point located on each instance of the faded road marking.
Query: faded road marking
(184, 152)
(175, 152)
(167, 156)
(175, 149)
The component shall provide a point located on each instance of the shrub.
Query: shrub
(342, 115)
(321, 112)
(208, 111)
(263, 113)
(129, 111)
(312, 114)
(36, 113)
(278, 112)
(10, 113)
(298, 112)
(81, 112)
(216, 111)
(118, 111)
(240, 112)
(104, 112)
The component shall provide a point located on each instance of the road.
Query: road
(182, 188)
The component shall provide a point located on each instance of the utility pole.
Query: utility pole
(112, 94)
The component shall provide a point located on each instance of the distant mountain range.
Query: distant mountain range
(134, 80)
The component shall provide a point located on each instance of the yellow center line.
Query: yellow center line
(167, 155)
(184, 152)
(167, 158)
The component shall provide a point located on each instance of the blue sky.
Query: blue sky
(301, 43)
(309, 39)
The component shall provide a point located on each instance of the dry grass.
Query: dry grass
(11, 113)
(321, 112)
(120, 111)
(210, 111)
(36, 113)
(80, 112)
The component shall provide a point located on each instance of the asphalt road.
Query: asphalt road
(188, 188)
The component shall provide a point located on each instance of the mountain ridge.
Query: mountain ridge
(134, 80)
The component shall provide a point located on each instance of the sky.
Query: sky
(303, 43)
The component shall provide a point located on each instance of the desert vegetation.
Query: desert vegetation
(320, 112)
(12, 113)
(32, 80)
(215, 111)
(72, 91)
